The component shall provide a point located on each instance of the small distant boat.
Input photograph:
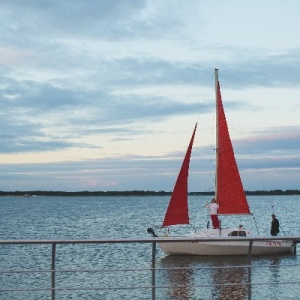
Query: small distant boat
(230, 196)
(29, 195)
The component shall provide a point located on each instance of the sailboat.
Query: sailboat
(230, 196)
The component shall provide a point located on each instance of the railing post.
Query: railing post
(249, 268)
(53, 271)
(153, 269)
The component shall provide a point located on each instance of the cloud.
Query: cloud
(281, 140)
(68, 17)
(112, 173)
(104, 75)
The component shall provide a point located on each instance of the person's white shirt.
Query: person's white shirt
(213, 208)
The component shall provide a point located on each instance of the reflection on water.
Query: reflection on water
(224, 276)
(191, 277)
(179, 276)
(209, 277)
(275, 275)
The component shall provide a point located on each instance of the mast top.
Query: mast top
(216, 74)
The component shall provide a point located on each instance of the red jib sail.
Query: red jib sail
(229, 189)
(177, 212)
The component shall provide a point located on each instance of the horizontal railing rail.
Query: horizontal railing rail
(151, 240)
(153, 286)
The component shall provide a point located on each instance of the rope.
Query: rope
(282, 230)
(201, 110)
(255, 224)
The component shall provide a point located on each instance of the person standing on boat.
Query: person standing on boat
(274, 226)
(214, 206)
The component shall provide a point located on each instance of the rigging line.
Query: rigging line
(193, 227)
(212, 162)
(204, 106)
(206, 95)
(245, 140)
(254, 163)
(273, 211)
(255, 224)
(282, 229)
(251, 154)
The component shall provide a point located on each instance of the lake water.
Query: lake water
(33, 218)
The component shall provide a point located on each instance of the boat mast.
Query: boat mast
(217, 132)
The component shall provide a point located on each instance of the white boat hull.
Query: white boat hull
(228, 245)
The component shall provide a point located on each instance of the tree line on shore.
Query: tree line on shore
(137, 193)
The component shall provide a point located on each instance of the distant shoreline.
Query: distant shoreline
(137, 193)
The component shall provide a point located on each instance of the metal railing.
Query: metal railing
(152, 242)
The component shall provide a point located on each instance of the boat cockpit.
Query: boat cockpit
(237, 233)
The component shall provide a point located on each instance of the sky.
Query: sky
(103, 95)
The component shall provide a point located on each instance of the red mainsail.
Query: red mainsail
(177, 212)
(229, 188)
